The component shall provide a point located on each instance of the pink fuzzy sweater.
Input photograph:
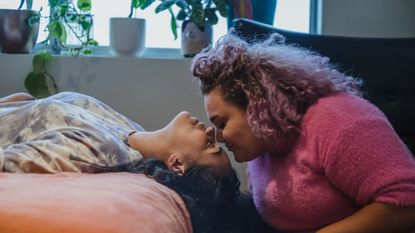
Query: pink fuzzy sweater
(346, 157)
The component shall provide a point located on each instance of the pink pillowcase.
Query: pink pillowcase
(101, 203)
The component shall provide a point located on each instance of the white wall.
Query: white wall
(152, 91)
(148, 91)
(368, 18)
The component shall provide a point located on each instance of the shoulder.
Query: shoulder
(341, 110)
(336, 122)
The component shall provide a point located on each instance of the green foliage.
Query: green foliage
(35, 18)
(29, 4)
(38, 82)
(65, 16)
(57, 29)
(84, 5)
(198, 11)
(139, 4)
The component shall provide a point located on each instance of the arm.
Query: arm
(16, 97)
(369, 163)
(376, 218)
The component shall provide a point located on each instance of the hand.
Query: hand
(21, 96)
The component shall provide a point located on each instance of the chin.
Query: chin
(240, 158)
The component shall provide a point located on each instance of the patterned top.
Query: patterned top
(67, 132)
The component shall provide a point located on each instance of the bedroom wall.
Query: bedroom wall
(152, 91)
(371, 18)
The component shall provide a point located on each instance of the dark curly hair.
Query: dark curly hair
(274, 82)
(214, 202)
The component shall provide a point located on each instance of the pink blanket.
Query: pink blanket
(75, 203)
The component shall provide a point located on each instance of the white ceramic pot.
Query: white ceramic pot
(127, 36)
(195, 39)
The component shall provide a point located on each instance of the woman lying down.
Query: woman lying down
(71, 132)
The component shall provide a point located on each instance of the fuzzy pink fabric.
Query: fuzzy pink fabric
(347, 156)
(89, 203)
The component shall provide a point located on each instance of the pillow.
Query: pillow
(80, 202)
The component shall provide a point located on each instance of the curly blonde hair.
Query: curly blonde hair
(274, 82)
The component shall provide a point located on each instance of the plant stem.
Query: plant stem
(131, 10)
(21, 4)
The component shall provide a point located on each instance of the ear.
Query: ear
(175, 164)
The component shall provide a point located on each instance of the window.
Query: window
(290, 14)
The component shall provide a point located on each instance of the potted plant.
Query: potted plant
(70, 27)
(66, 19)
(198, 16)
(19, 29)
(127, 34)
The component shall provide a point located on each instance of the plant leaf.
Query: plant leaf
(35, 18)
(164, 5)
(181, 15)
(146, 3)
(86, 25)
(57, 30)
(197, 15)
(84, 5)
(211, 16)
(135, 4)
(92, 42)
(87, 51)
(37, 85)
(222, 6)
(21, 4)
(40, 61)
(62, 9)
(53, 3)
(182, 4)
(29, 4)
(173, 24)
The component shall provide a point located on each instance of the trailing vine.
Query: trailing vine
(64, 17)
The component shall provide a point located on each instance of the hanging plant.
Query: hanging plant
(39, 82)
(66, 19)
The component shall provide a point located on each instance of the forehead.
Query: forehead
(214, 101)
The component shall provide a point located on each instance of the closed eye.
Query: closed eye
(221, 126)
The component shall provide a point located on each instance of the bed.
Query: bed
(80, 202)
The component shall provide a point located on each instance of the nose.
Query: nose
(219, 136)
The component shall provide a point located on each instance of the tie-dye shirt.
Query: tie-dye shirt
(65, 132)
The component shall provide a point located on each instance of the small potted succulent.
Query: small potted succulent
(198, 16)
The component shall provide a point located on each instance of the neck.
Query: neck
(150, 144)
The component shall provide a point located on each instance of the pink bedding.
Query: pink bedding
(75, 203)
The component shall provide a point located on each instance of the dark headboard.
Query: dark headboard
(386, 65)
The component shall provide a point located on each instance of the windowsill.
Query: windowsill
(149, 53)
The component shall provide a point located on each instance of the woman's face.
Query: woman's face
(196, 144)
(232, 127)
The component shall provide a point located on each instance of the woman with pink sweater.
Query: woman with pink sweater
(320, 157)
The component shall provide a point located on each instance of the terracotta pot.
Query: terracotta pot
(194, 39)
(16, 36)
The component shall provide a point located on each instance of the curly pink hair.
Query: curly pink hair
(274, 82)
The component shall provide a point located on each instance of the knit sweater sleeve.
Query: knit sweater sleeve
(366, 159)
